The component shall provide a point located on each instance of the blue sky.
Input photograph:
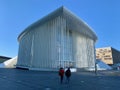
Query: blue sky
(15, 15)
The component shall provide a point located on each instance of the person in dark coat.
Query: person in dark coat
(68, 75)
(61, 74)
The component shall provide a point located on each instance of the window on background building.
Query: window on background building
(107, 58)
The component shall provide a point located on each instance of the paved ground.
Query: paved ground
(16, 79)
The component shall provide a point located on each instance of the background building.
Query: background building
(108, 55)
(3, 58)
(60, 39)
(9, 63)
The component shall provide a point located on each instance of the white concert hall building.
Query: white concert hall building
(60, 39)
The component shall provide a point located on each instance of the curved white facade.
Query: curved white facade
(58, 40)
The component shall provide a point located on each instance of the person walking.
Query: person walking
(96, 68)
(61, 74)
(68, 74)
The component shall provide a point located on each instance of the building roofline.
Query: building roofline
(109, 47)
(5, 57)
(103, 47)
(67, 14)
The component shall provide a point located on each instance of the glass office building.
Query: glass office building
(60, 39)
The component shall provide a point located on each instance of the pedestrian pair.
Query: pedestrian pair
(67, 74)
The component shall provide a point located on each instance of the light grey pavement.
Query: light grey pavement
(16, 79)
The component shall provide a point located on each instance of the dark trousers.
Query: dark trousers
(61, 79)
(67, 79)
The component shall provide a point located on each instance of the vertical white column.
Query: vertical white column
(31, 51)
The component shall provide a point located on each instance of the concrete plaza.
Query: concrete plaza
(16, 79)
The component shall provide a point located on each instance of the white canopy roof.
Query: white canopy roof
(73, 23)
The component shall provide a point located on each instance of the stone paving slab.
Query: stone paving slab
(16, 79)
